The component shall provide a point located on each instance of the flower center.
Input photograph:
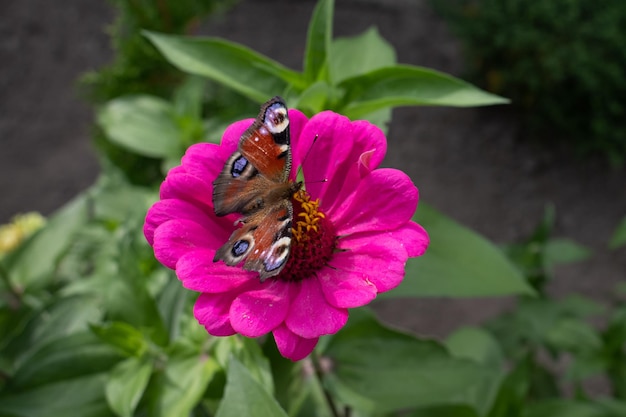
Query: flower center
(313, 239)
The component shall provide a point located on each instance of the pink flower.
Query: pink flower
(352, 234)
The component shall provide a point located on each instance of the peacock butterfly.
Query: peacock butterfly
(255, 183)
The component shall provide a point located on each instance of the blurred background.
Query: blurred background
(491, 169)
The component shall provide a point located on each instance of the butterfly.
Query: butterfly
(255, 183)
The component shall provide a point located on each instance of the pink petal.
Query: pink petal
(292, 346)
(203, 160)
(165, 210)
(198, 272)
(255, 313)
(231, 136)
(184, 186)
(176, 170)
(174, 238)
(378, 257)
(413, 237)
(343, 152)
(310, 315)
(211, 311)
(384, 200)
(344, 289)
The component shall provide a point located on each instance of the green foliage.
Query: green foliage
(541, 332)
(357, 77)
(383, 370)
(562, 62)
(619, 236)
(137, 67)
(356, 91)
(455, 256)
(539, 253)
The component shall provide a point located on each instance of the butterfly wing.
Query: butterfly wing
(262, 249)
(263, 155)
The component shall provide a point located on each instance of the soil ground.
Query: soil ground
(468, 163)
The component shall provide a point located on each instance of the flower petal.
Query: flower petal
(384, 200)
(198, 272)
(187, 187)
(174, 238)
(342, 154)
(292, 346)
(211, 311)
(413, 237)
(346, 289)
(204, 160)
(255, 313)
(170, 209)
(231, 136)
(379, 257)
(310, 314)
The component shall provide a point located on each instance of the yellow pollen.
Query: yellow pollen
(308, 219)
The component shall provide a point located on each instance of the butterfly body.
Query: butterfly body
(255, 183)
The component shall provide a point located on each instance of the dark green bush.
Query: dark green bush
(562, 62)
(138, 68)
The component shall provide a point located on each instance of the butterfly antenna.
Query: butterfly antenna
(300, 175)
(308, 152)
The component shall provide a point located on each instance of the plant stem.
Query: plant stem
(4, 276)
(319, 373)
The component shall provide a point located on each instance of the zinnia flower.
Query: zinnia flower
(352, 234)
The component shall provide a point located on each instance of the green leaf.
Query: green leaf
(143, 124)
(574, 336)
(476, 344)
(181, 387)
(59, 319)
(445, 411)
(116, 200)
(458, 263)
(351, 57)
(13, 337)
(319, 38)
(479, 346)
(566, 408)
(564, 251)
(82, 397)
(513, 391)
(378, 369)
(188, 97)
(47, 246)
(126, 385)
(171, 304)
(122, 336)
(249, 353)
(314, 99)
(404, 85)
(69, 357)
(298, 396)
(242, 69)
(244, 396)
(129, 301)
(613, 407)
(619, 236)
